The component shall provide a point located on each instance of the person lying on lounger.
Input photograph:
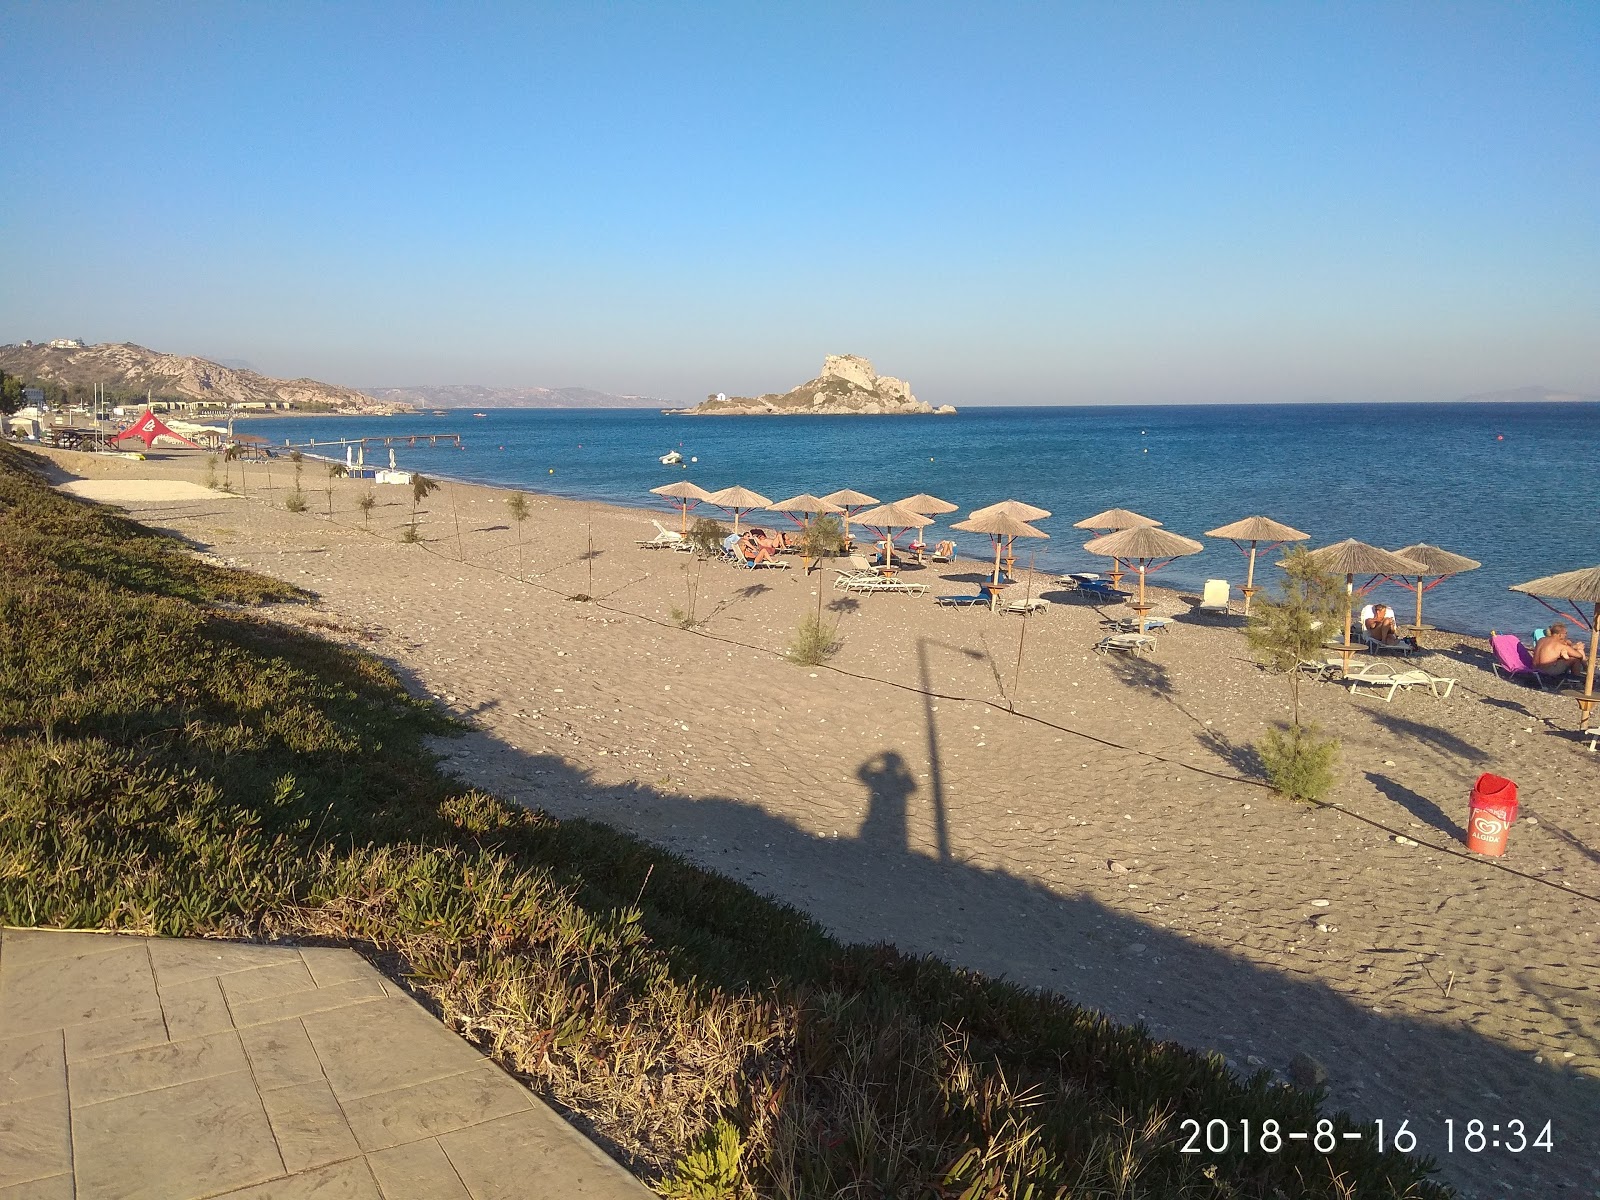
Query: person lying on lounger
(1557, 654)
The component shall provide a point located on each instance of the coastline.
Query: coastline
(997, 773)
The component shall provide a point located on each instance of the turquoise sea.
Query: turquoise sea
(1514, 485)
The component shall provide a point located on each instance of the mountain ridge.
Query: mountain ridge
(477, 395)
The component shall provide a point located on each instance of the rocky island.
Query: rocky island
(848, 384)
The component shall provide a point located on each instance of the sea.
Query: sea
(1516, 486)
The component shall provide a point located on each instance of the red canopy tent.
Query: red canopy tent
(148, 428)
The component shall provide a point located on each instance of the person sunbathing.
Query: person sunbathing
(1381, 628)
(1556, 654)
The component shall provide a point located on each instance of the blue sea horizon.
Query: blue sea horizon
(1512, 485)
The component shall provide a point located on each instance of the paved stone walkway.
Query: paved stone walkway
(177, 1069)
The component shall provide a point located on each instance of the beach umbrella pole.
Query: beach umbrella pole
(1419, 603)
(1142, 609)
(1586, 705)
(994, 592)
(1250, 579)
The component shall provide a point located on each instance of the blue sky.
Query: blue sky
(1026, 203)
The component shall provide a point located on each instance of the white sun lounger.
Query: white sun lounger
(1215, 598)
(1026, 607)
(1128, 643)
(663, 537)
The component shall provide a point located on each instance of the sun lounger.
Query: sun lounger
(1395, 680)
(1131, 624)
(1099, 591)
(1401, 646)
(1028, 607)
(944, 552)
(1215, 598)
(664, 537)
(1512, 660)
(961, 601)
(1128, 643)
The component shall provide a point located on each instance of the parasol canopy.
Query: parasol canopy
(805, 504)
(685, 495)
(738, 500)
(1351, 558)
(1437, 563)
(1114, 518)
(1575, 587)
(1016, 508)
(888, 518)
(849, 502)
(1144, 544)
(1256, 530)
(924, 503)
(1002, 527)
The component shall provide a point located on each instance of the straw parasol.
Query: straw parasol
(888, 519)
(738, 500)
(1575, 587)
(1011, 508)
(1439, 565)
(685, 496)
(805, 505)
(1110, 521)
(850, 502)
(1256, 530)
(924, 503)
(1150, 547)
(1002, 528)
(1351, 558)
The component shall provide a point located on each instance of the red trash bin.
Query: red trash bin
(1494, 807)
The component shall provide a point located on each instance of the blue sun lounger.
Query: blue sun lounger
(960, 601)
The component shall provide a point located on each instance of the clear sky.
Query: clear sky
(1006, 203)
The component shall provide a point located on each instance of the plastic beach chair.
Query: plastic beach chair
(1215, 597)
(1026, 607)
(1395, 680)
(1128, 643)
(663, 537)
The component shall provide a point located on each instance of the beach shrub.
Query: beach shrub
(421, 488)
(211, 472)
(295, 501)
(173, 764)
(823, 538)
(335, 471)
(366, 503)
(1287, 627)
(815, 642)
(706, 535)
(517, 505)
(1299, 761)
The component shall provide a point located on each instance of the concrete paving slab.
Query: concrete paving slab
(58, 990)
(342, 1181)
(36, 1138)
(182, 1142)
(417, 1171)
(437, 1106)
(180, 1070)
(194, 1008)
(57, 1187)
(355, 1047)
(33, 1065)
(114, 1075)
(281, 1054)
(309, 1125)
(534, 1154)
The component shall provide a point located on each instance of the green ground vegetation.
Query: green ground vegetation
(173, 762)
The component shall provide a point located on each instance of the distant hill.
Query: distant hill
(848, 385)
(1534, 394)
(472, 395)
(127, 370)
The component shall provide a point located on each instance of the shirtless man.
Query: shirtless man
(1381, 625)
(1557, 654)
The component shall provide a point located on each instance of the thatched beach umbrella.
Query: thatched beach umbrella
(889, 519)
(1146, 545)
(1438, 565)
(850, 502)
(924, 503)
(804, 505)
(738, 500)
(684, 496)
(1351, 558)
(1012, 508)
(1577, 588)
(1003, 528)
(1256, 530)
(1110, 521)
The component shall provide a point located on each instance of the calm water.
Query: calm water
(1514, 486)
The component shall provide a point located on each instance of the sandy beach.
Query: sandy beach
(988, 789)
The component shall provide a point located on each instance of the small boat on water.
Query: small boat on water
(480, 414)
(671, 458)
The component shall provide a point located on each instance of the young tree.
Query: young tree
(365, 504)
(421, 488)
(1286, 630)
(517, 505)
(296, 500)
(335, 471)
(822, 538)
